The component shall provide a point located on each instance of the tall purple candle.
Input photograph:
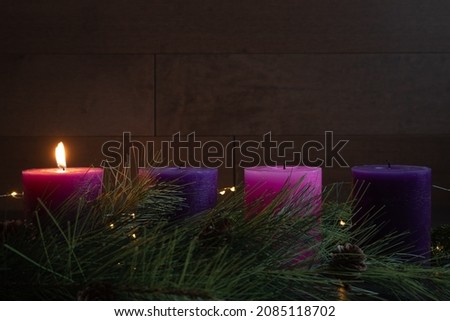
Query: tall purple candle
(198, 186)
(402, 193)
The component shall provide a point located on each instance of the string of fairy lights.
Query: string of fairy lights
(227, 189)
(222, 192)
(13, 195)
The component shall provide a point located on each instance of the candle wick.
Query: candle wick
(284, 165)
(389, 164)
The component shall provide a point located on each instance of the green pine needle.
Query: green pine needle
(128, 240)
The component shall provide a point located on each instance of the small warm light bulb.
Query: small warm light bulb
(342, 293)
(233, 189)
(60, 156)
(133, 236)
(13, 195)
(222, 192)
(133, 216)
(111, 225)
(341, 223)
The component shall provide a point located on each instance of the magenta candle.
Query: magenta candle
(56, 186)
(264, 183)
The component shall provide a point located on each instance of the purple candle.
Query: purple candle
(402, 193)
(198, 186)
(55, 186)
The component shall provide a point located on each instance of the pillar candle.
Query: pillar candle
(402, 193)
(198, 186)
(264, 183)
(56, 186)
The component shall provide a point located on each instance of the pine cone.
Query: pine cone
(348, 257)
(97, 291)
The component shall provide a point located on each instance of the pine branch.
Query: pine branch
(129, 241)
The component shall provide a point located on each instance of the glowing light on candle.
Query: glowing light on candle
(60, 156)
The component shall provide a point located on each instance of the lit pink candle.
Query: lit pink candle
(264, 183)
(55, 186)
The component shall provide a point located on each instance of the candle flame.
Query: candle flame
(60, 156)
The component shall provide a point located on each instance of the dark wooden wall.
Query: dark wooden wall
(376, 72)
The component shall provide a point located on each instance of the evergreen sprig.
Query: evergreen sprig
(127, 246)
